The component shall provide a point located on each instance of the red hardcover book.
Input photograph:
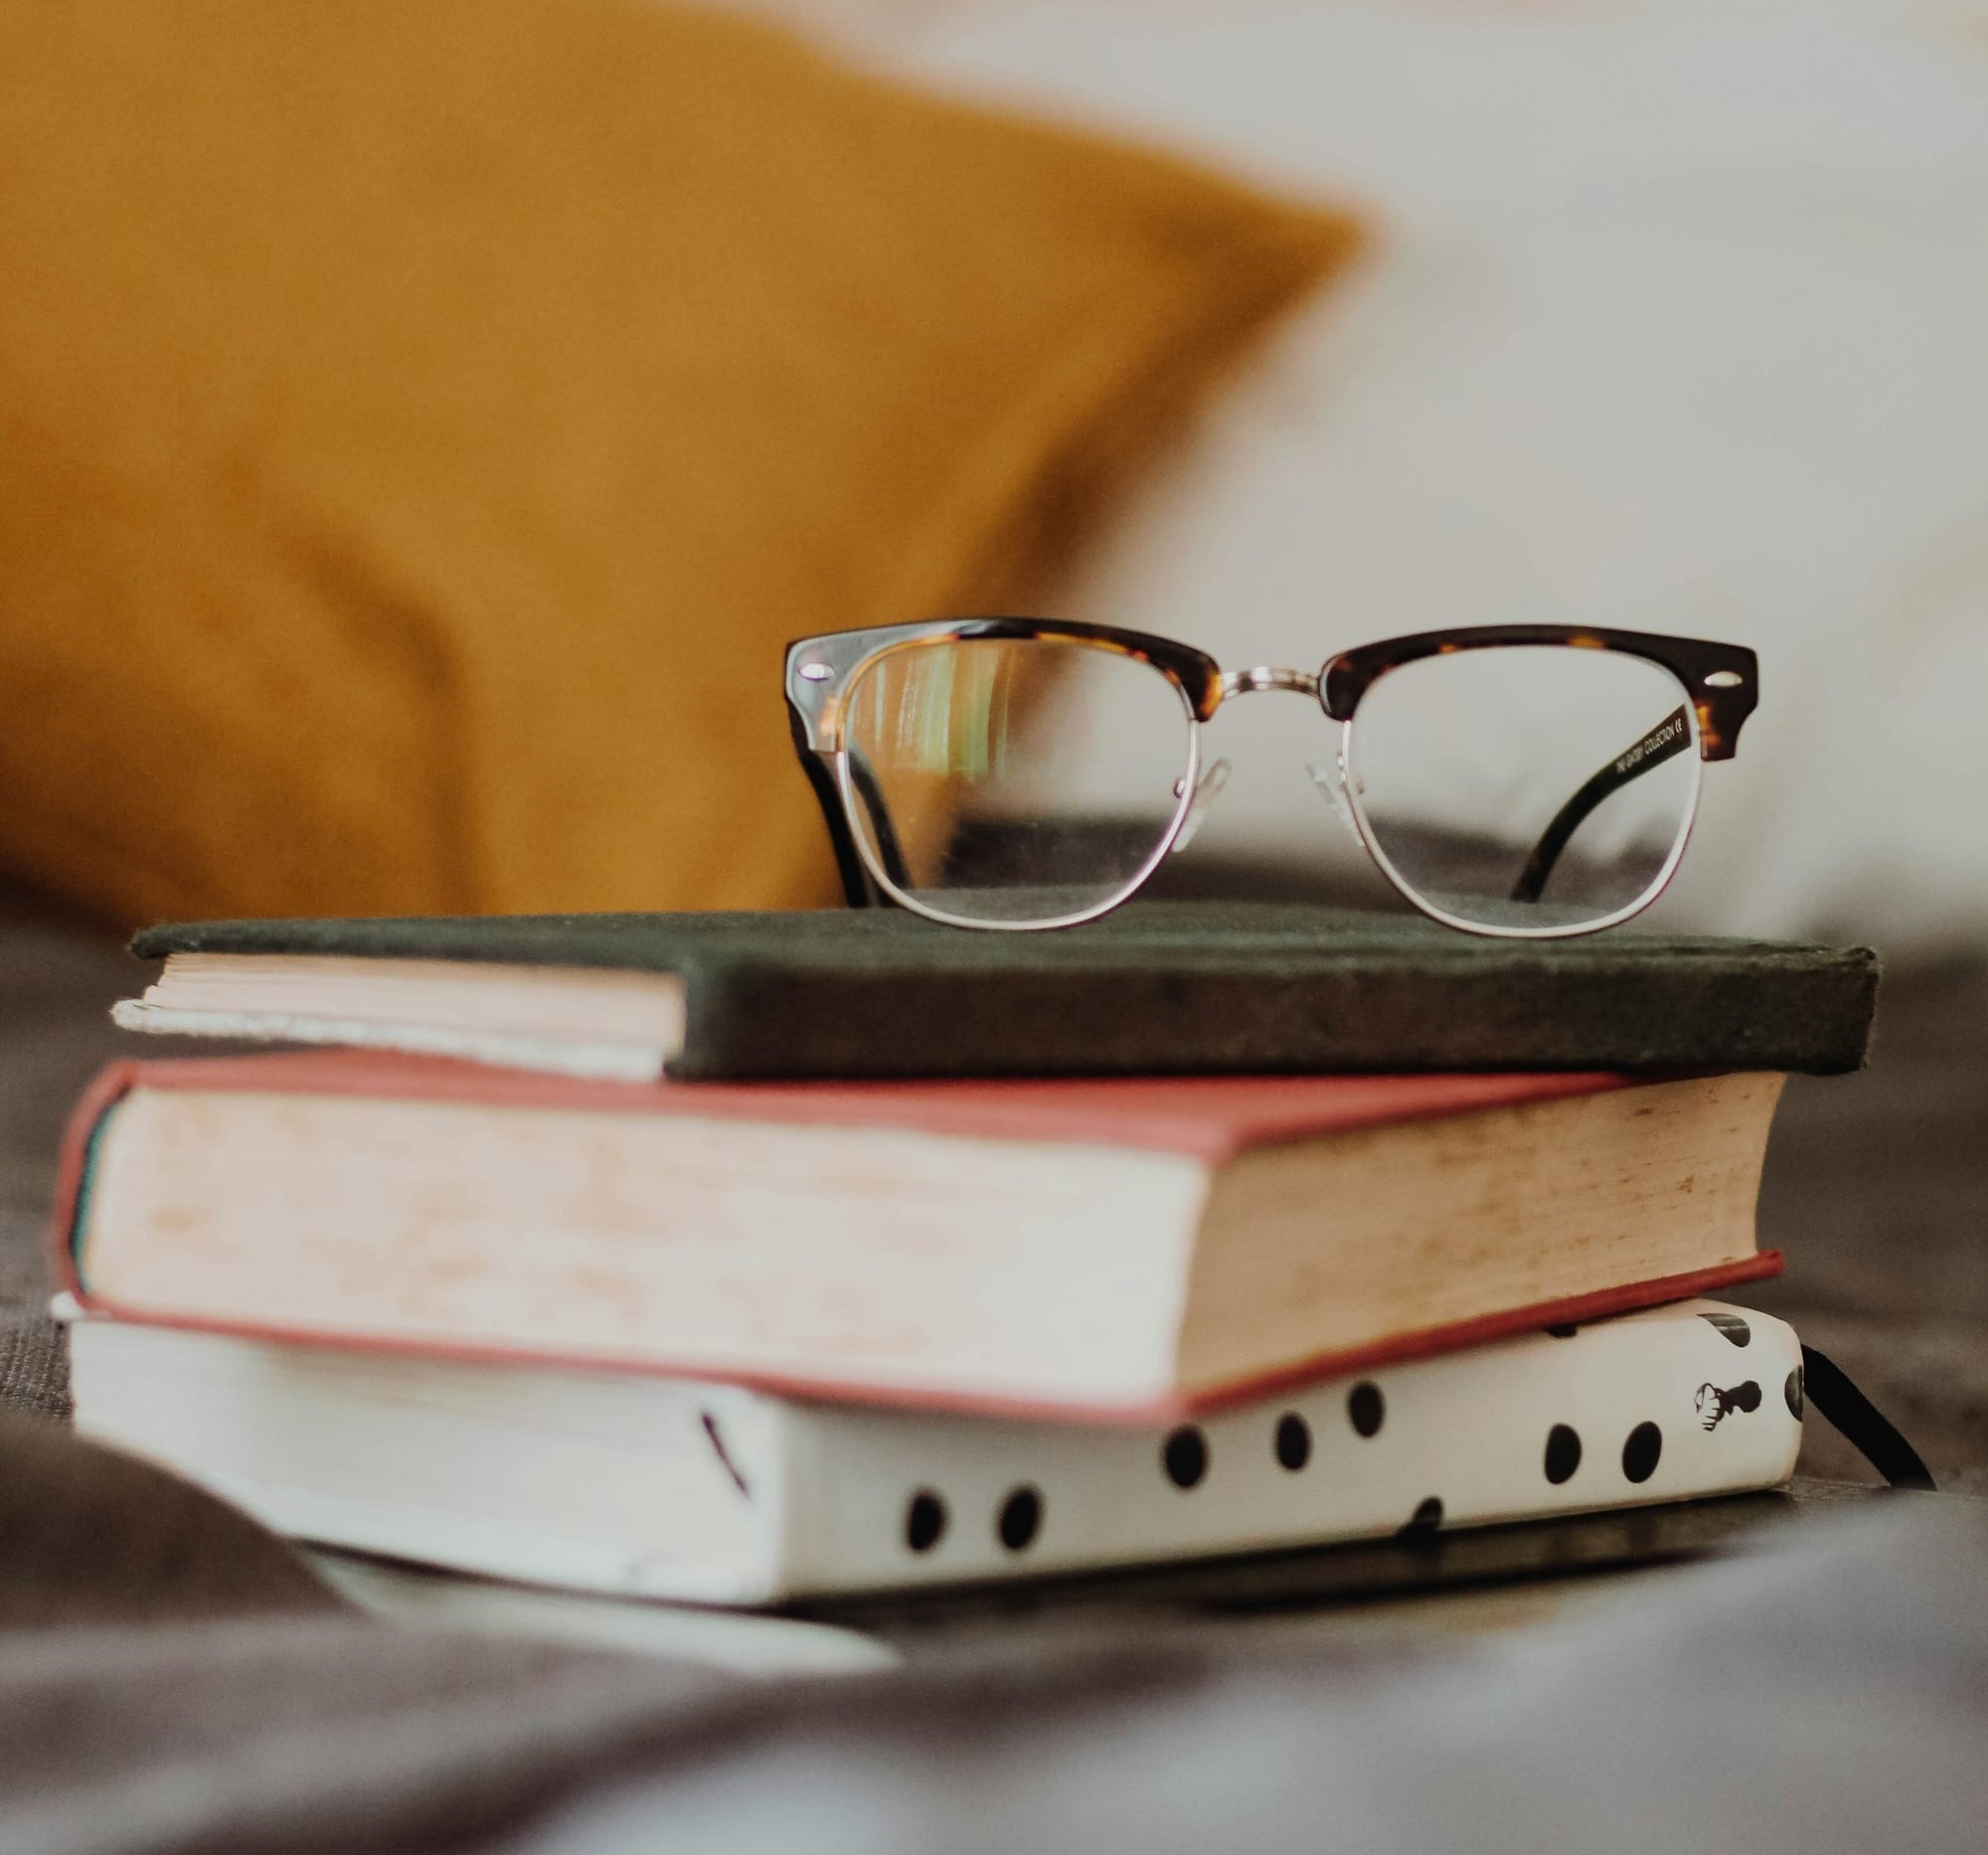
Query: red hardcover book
(1092, 1248)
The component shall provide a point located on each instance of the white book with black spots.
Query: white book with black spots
(647, 1486)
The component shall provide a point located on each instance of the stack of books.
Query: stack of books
(744, 1258)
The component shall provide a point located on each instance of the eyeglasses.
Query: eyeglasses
(1520, 781)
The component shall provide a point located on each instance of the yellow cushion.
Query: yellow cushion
(421, 427)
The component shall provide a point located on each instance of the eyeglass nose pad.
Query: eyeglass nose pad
(1331, 780)
(1206, 790)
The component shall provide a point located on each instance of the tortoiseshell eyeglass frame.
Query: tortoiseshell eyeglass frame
(1721, 684)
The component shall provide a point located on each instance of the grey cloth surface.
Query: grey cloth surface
(174, 1680)
(1828, 1692)
(57, 982)
(1828, 1698)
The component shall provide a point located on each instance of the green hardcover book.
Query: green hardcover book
(1159, 988)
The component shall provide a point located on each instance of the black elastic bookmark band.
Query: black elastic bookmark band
(1860, 1422)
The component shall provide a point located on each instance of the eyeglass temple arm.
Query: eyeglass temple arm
(890, 852)
(857, 888)
(1670, 737)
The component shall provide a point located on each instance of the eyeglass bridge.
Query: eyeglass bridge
(1264, 676)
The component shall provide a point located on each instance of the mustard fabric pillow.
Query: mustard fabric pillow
(421, 427)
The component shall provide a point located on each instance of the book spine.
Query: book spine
(1804, 1010)
(1695, 1400)
(86, 1124)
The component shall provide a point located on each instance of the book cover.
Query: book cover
(1153, 988)
(1079, 1246)
(709, 1493)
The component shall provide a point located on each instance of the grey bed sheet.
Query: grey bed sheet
(171, 1679)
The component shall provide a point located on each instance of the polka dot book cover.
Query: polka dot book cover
(641, 1486)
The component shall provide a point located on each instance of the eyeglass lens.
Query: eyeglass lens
(973, 775)
(1526, 787)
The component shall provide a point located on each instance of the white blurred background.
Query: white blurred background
(1675, 321)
